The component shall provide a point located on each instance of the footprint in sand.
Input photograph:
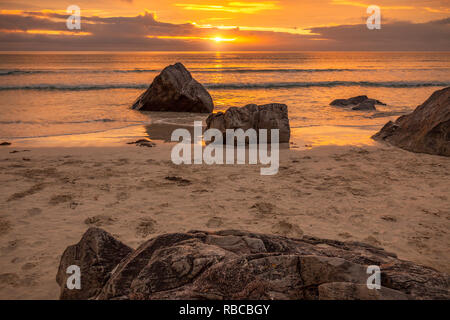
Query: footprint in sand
(105, 187)
(28, 266)
(34, 211)
(5, 226)
(12, 245)
(122, 196)
(372, 241)
(264, 208)
(13, 280)
(234, 177)
(287, 229)
(345, 235)
(389, 218)
(356, 219)
(34, 189)
(100, 220)
(59, 199)
(214, 222)
(145, 227)
(121, 162)
(9, 279)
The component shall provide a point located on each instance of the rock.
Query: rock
(359, 103)
(242, 265)
(6, 143)
(96, 254)
(426, 130)
(368, 104)
(143, 143)
(269, 116)
(174, 89)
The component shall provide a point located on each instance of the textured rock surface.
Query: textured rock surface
(174, 89)
(96, 254)
(358, 103)
(425, 130)
(269, 116)
(241, 265)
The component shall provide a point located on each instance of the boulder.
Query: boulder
(359, 103)
(426, 130)
(368, 104)
(96, 254)
(269, 116)
(175, 90)
(236, 264)
(143, 143)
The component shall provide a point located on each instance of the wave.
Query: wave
(13, 72)
(213, 70)
(71, 122)
(238, 86)
(81, 87)
(274, 70)
(71, 71)
(287, 85)
(70, 133)
(203, 70)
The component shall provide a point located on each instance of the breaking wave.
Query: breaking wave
(237, 86)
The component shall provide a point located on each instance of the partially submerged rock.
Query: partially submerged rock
(174, 89)
(425, 130)
(242, 265)
(96, 254)
(358, 103)
(6, 143)
(269, 116)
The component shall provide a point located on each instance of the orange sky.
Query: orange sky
(214, 21)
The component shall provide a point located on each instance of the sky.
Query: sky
(217, 25)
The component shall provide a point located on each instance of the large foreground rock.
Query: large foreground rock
(425, 130)
(175, 90)
(241, 265)
(96, 254)
(269, 116)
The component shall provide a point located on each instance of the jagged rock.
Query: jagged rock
(269, 116)
(174, 89)
(425, 130)
(368, 104)
(96, 254)
(242, 265)
(359, 103)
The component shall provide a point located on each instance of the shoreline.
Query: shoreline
(302, 138)
(377, 194)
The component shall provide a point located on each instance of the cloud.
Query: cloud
(365, 5)
(232, 7)
(401, 36)
(46, 30)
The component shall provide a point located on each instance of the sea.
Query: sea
(85, 98)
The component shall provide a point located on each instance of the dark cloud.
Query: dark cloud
(432, 36)
(135, 33)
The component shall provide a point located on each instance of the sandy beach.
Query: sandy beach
(376, 194)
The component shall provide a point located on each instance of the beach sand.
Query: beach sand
(377, 194)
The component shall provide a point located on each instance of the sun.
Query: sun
(220, 39)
